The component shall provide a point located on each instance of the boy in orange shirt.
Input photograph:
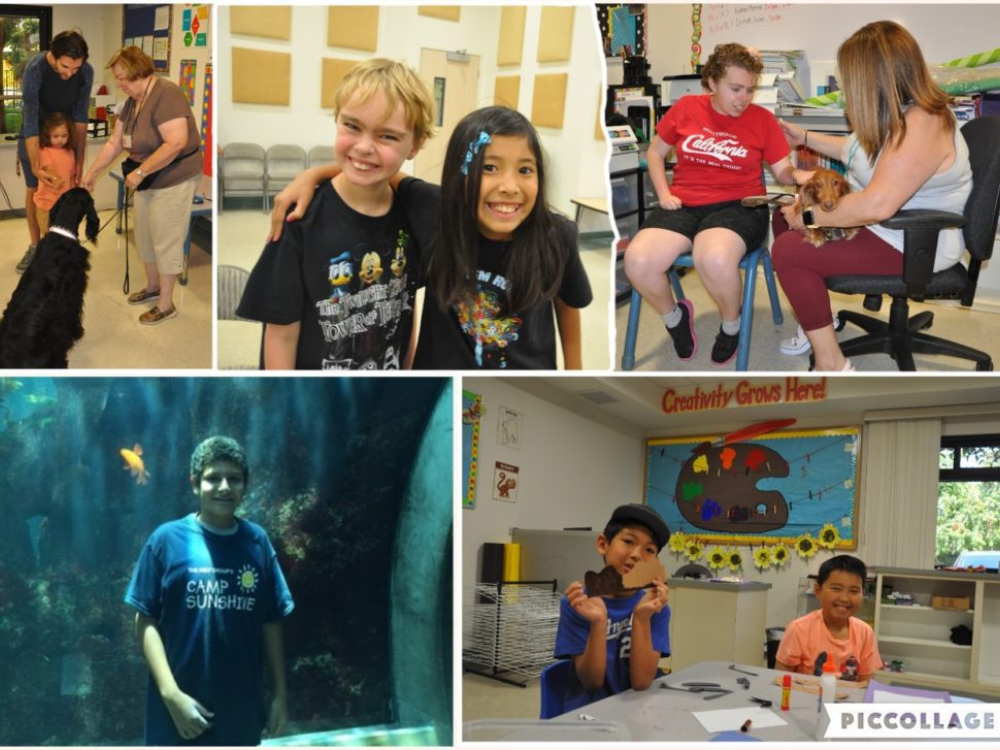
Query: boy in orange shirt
(832, 628)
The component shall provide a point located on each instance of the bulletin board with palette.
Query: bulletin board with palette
(774, 488)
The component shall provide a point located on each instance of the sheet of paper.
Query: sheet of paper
(727, 719)
(162, 19)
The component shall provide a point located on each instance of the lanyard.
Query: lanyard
(138, 109)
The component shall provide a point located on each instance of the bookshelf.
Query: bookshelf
(920, 635)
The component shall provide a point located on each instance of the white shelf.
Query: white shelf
(921, 608)
(926, 642)
(887, 674)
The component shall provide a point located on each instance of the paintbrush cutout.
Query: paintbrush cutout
(609, 583)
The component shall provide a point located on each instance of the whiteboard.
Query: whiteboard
(944, 31)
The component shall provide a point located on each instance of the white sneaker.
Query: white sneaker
(799, 343)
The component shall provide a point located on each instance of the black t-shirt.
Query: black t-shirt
(350, 280)
(475, 335)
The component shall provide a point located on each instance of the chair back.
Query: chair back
(557, 682)
(982, 210)
(231, 282)
(321, 155)
(285, 160)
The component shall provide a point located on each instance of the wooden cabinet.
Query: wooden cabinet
(920, 636)
(717, 621)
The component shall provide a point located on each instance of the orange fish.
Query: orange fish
(135, 464)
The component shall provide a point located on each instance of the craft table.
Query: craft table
(197, 209)
(667, 715)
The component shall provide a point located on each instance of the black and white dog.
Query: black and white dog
(44, 317)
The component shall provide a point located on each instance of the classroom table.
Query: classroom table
(667, 715)
(197, 209)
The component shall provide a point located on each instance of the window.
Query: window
(25, 30)
(968, 517)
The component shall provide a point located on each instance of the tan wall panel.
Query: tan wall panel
(261, 20)
(555, 34)
(549, 101)
(511, 46)
(506, 90)
(353, 27)
(261, 77)
(444, 12)
(334, 71)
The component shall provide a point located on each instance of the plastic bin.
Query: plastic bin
(625, 194)
(538, 730)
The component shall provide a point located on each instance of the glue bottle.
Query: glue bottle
(827, 697)
(786, 692)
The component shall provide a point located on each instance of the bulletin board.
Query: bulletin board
(511, 42)
(621, 29)
(334, 71)
(272, 22)
(549, 100)
(353, 27)
(261, 77)
(472, 417)
(555, 34)
(771, 489)
(506, 90)
(444, 12)
(148, 27)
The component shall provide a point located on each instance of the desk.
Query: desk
(600, 205)
(197, 209)
(667, 715)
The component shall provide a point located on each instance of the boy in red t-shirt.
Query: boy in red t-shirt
(722, 142)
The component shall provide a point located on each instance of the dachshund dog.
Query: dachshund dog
(824, 189)
(44, 317)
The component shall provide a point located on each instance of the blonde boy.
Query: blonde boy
(336, 291)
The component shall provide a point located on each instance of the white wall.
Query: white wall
(576, 158)
(573, 472)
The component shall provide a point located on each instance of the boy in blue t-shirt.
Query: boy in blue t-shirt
(616, 642)
(210, 596)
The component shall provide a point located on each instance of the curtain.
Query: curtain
(898, 514)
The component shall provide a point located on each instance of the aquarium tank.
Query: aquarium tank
(350, 477)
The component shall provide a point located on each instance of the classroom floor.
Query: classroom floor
(241, 240)
(113, 336)
(654, 352)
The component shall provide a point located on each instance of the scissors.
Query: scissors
(715, 690)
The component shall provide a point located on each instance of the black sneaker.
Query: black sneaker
(685, 340)
(725, 347)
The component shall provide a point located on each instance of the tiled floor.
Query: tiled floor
(113, 336)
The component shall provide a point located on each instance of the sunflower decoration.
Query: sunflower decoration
(779, 555)
(693, 550)
(762, 558)
(678, 542)
(735, 559)
(717, 558)
(828, 536)
(805, 545)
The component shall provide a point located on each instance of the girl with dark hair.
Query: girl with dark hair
(499, 261)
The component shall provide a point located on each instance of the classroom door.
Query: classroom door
(454, 83)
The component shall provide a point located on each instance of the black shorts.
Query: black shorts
(749, 223)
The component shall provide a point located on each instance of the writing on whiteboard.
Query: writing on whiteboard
(722, 18)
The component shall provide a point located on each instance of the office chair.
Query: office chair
(903, 335)
(748, 265)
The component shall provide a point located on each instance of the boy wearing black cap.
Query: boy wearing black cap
(616, 643)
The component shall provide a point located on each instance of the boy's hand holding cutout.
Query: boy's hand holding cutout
(590, 608)
(654, 600)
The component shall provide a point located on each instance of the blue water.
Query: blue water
(331, 462)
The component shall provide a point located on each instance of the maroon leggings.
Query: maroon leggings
(803, 268)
